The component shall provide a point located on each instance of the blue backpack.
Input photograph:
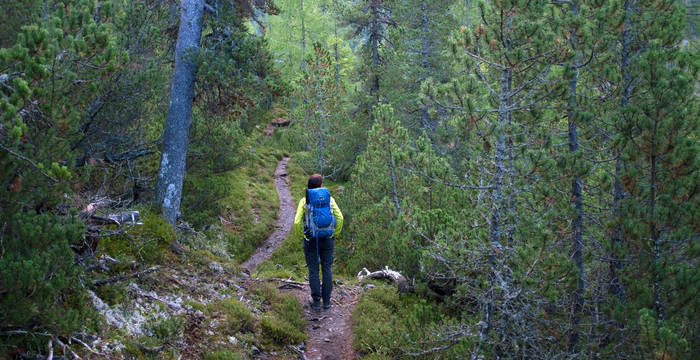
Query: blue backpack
(320, 222)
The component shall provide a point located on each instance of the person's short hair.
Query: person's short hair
(315, 181)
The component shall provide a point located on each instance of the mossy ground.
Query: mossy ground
(215, 317)
(387, 325)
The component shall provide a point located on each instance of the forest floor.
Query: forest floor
(329, 331)
(198, 305)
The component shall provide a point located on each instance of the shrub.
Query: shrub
(223, 354)
(238, 316)
(39, 281)
(280, 331)
(289, 310)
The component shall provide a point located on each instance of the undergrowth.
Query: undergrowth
(388, 325)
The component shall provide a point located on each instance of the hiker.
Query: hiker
(322, 221)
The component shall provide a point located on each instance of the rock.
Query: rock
(233, 340)
(245, 275)
(215, 266)
(255, 350)
(368, 287)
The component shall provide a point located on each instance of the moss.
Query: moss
(148, 242)
(266, 292)
(372, 330)
(242, 203)
(289, 310)
(223, 354)
(280, 331)
(387, 296)
(168, 329)
(238, 316)
(195, 305)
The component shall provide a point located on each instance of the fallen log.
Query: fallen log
(118, 278)
(401, 282)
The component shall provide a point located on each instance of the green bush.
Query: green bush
(280, 331)
(39, 284)
(372, 323)
(238, 316)
(290, 310)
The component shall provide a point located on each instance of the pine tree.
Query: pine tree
(659, 171)
(322, 120)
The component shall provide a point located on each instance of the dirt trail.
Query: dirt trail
(285, 219)
(329, 331)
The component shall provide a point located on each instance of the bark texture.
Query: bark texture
(175, 137)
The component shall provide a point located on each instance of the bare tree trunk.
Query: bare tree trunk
(175, 137)
(321, 133)
(498, 202)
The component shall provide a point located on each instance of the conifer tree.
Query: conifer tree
(47, 81)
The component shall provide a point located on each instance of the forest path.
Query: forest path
(329, 331)
(285, 219)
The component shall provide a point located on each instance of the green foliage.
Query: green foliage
(388, 326)
(166, 330)
(284, 322)
(243, 203)
(41, 292)
(237, 315)
(223, 354)
(149, 242)
(281, 332)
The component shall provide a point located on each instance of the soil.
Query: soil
(329, 331)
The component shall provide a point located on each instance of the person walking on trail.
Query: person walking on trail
(317, 222)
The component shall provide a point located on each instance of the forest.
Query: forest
(519, 179)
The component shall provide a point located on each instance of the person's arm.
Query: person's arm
(338, 217)
(299, 219)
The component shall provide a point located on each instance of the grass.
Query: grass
(238, 206)
(385, 324)
(283, 322)
(238, 318)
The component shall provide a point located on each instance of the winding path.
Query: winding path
(285, 219)
(329, 331)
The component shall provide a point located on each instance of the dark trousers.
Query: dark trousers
(325, 253)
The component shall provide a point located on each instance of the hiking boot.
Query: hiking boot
(326, 305)
(316, 305)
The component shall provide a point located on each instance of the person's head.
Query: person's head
(315, 181)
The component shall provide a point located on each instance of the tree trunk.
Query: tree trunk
(424, 60)
(374, 43)
(498, 203)
(303, 38)
(335, 49)
(616, 287)
(172, 166)
(576, 238)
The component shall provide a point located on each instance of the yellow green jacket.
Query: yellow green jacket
(299, 218)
